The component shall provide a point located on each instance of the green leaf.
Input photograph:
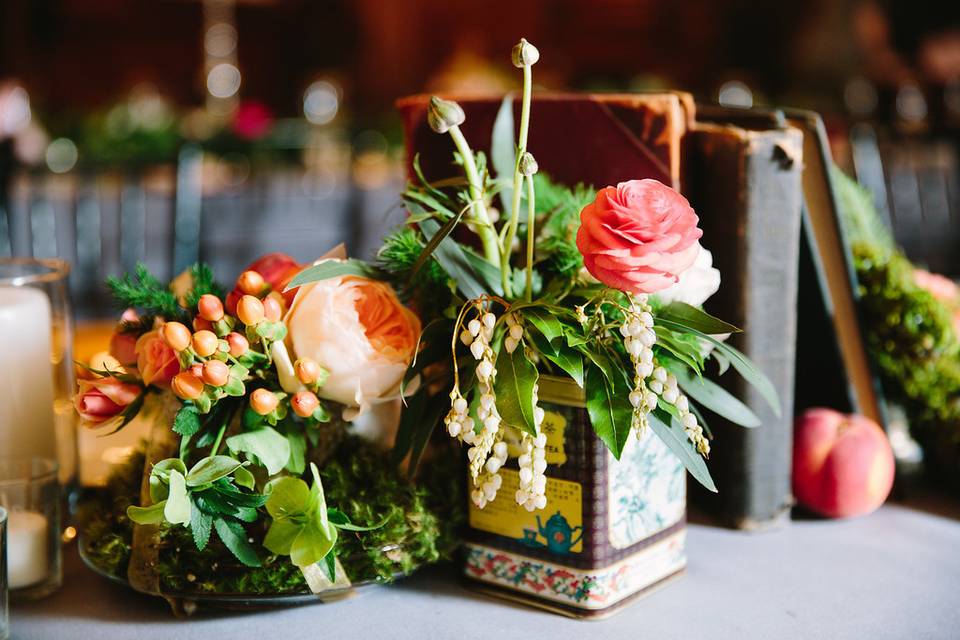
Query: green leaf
(686, 352)
(713, 396)
(234, 537)
(244, 478)
(331, 269)
(265, 445)
(329, 566)
(559, 354)
(312, 544)
(177, 509)
(160, 477)
(438, 407)
(546, 322)
(743, 366)
(280, 536)
(288, 497)
(503, 150)
(516, 377)
(341, 521)
(453, 258)
(200, 525)
(445, 230)
(298, 452)
(147, 515)
(694, 318)
(410, 418)
(234, 387)
(673, 435)
(210, 469)
(187, 421)
(609, 407)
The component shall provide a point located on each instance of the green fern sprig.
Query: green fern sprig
(203, 283)
(141, 290)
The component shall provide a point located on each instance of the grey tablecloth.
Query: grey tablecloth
(894, 574)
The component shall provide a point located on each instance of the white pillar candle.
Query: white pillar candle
(27, 548)
(26, 374)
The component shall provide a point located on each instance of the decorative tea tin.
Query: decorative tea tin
(613, 530)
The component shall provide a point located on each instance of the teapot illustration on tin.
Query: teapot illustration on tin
(559, 534)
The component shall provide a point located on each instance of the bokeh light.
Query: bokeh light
(223, 80)
(321, 101)
(61, 155)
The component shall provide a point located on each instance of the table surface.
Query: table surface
(893, 574)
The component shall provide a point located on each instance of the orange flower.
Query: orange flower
(357, 330)
(103, 398)
(156, 361)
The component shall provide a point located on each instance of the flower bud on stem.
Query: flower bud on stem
(445, 116)
(527, 55)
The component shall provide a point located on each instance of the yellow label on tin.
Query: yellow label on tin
(558, 528)
(554, 426)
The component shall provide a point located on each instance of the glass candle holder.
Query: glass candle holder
(4, 596)
(38, 380)
(30, 495)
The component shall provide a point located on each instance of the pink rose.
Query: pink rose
(358, 331)
(940, 287)
(638, 237)
(103, 398)
(156, 361)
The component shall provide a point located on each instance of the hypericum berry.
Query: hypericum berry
(205, 343)
(239, 345)
(210, 308)
(216, 373)
(263, 401)
(250, 283)
(307, 370)
(272, 309)
(304, 403)
(176, 335)
(187, 386)
(250, 310)
(199, 324)
(196, 369)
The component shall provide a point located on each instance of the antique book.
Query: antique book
(742, 174)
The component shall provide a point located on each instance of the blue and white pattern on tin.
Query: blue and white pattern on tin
(646, 489)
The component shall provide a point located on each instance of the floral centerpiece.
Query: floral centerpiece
(246, 426)
(525, 284)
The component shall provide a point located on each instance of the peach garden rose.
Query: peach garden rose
(357, 330)
(156, 361)
(638, 236)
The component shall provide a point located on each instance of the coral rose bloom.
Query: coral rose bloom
(638, 236)
(156, 361)
(103, 398)
(357, 329)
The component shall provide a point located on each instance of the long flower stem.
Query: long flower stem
(531, 232)
(478, 213)
(517, 177)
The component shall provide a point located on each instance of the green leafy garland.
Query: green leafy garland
(909, 333)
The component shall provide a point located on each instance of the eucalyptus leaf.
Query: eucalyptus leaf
(332, 268)
(516, 378)
(694, 318)
(266, 445)
(177, 509)
(234, 537)
(210, 469)
(714, 397)
(609, 407)
(673, 435)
